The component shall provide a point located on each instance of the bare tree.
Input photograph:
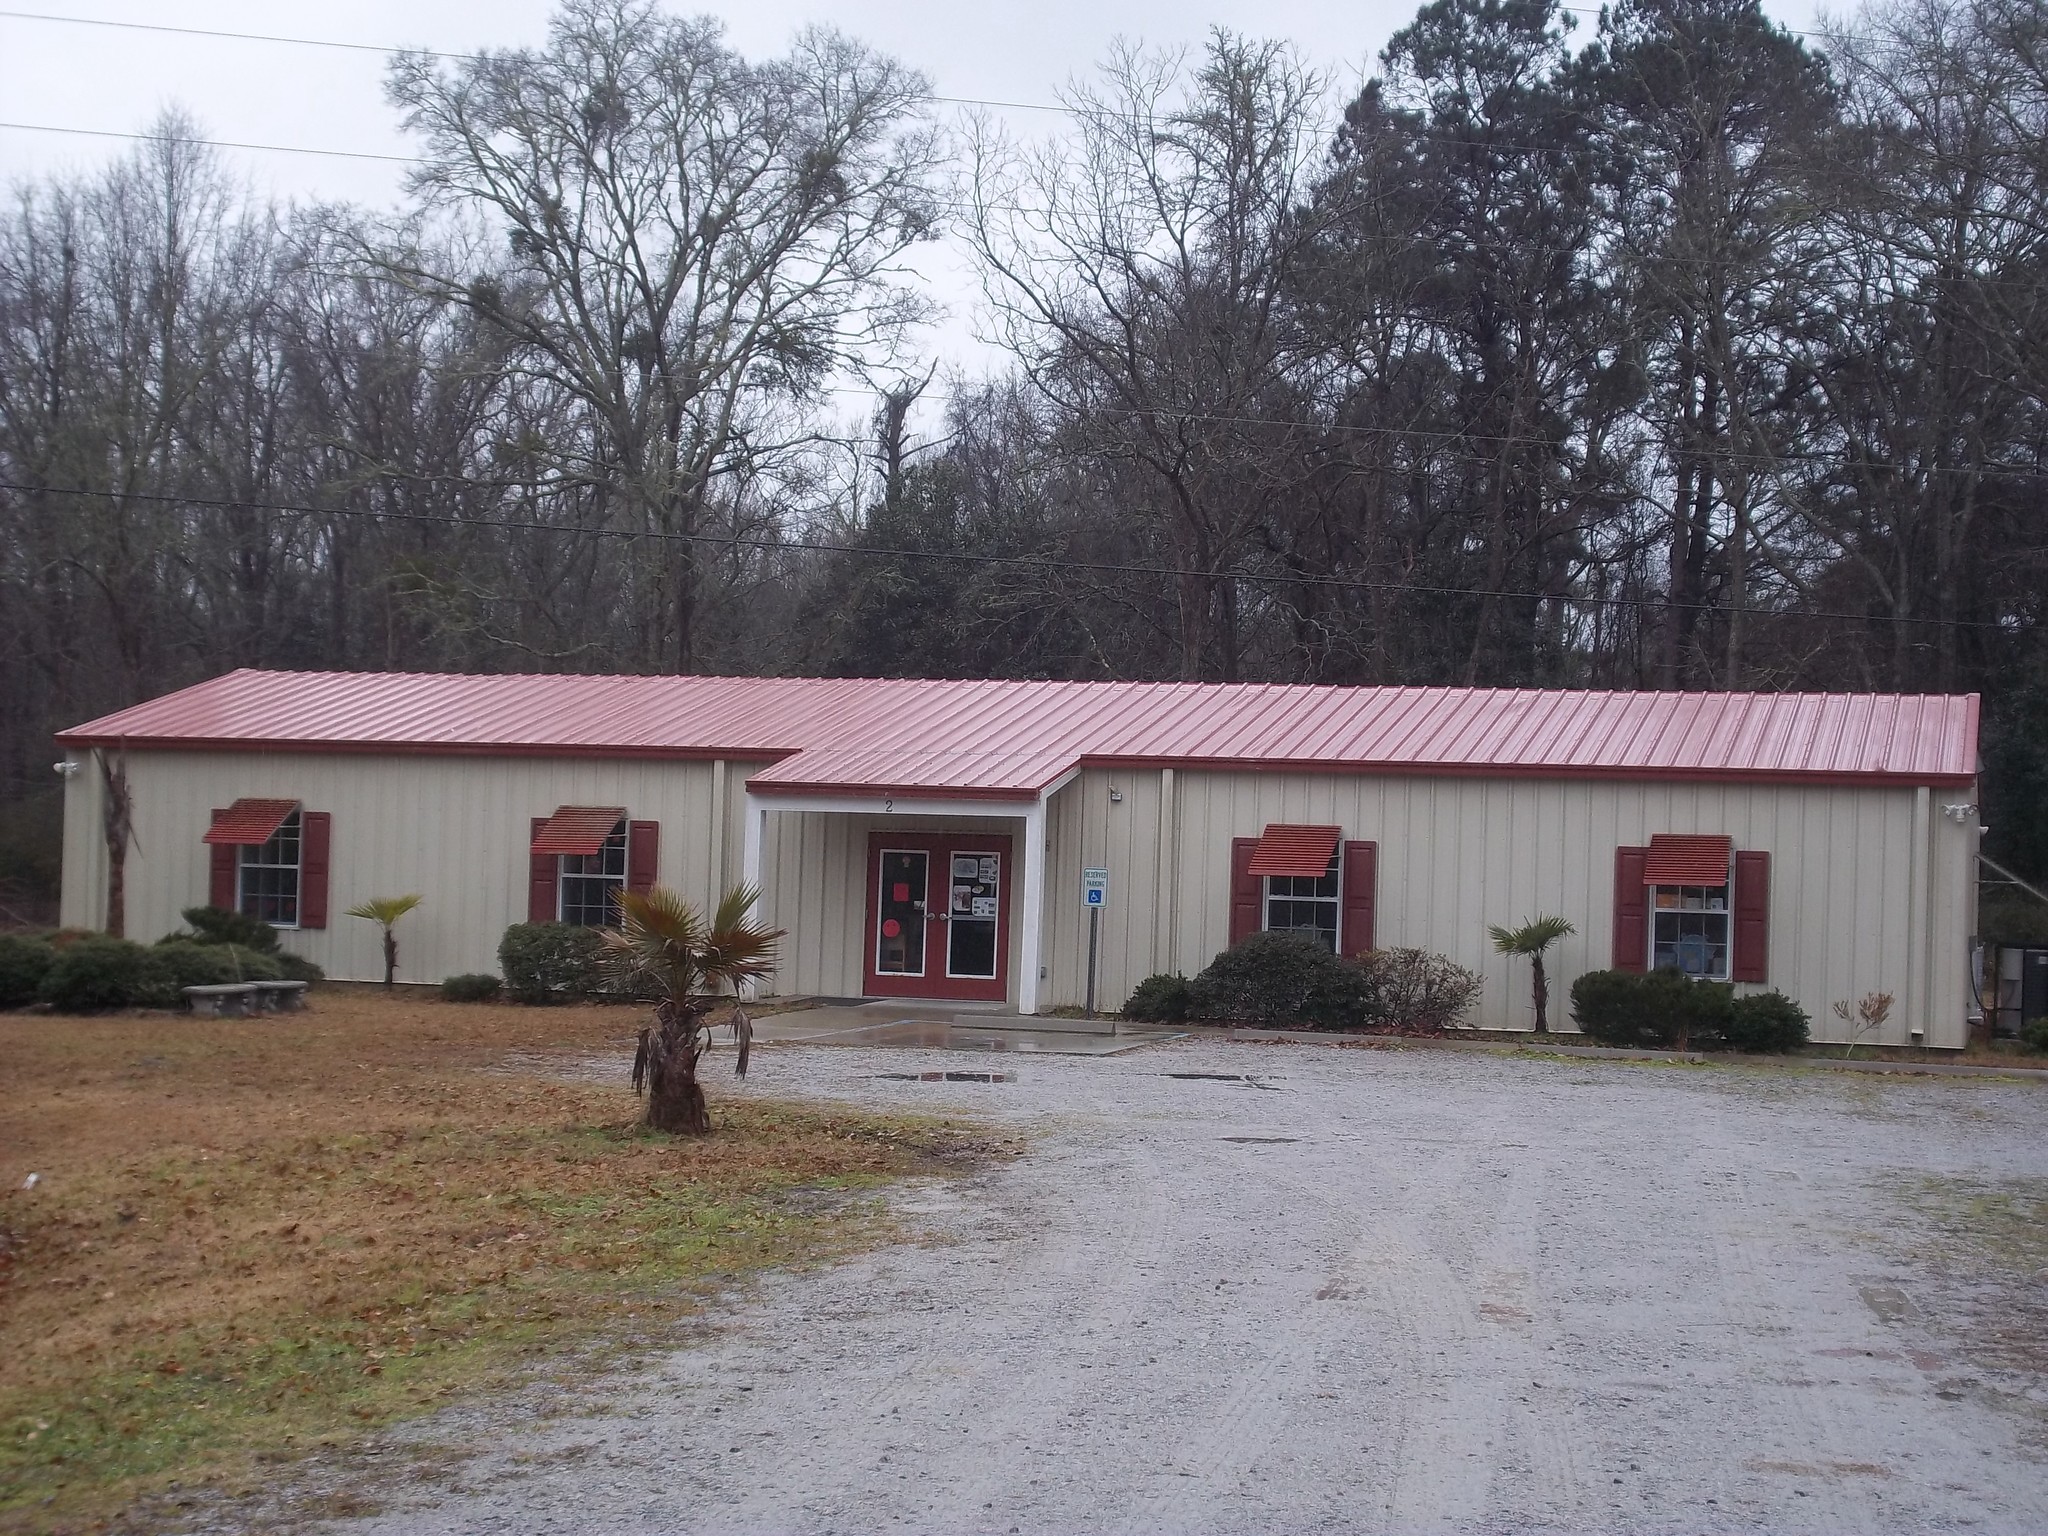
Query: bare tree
(1140, 274)
(692, 236)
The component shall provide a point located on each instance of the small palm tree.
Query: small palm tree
(387, 910)
(664, 941)
(1532, 939)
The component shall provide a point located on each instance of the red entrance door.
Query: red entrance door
(938, 922)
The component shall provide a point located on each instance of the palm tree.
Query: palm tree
(663, 940)
(1531, 939)
(387, 910)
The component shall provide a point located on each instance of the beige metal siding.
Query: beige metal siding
(453, 828)
(1457, 854)
(1871, 888)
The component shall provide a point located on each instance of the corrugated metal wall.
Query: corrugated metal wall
(1872, 889)
(453, 828)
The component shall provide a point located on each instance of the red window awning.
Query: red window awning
(248, 823)
(1301, 851)
(577, 828)
(1673, 859)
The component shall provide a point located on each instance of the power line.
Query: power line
(163, 138)
(961, 557)
(387, 49)
(380, 48)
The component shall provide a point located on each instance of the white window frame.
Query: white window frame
(995, 970)
(622, 835)
(924, 952)
(249, 857)
(1334, 901)
(1703, 894)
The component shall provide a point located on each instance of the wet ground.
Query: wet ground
(952, 1027)
(1234, 1288)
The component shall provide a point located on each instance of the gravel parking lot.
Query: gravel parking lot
(1353, 1290)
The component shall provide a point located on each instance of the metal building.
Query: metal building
(929, 839)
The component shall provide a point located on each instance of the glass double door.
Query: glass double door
(938, 916)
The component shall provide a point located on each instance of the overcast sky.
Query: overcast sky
(90, 77)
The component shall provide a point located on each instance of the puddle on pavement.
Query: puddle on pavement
(1235, 1079)
(947, 1077)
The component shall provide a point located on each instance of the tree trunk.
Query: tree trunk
(666, 1067)
(1542, 996)
(390, 957)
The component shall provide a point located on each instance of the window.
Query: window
(1689, 929)
(590, 882)
(1305, 904)
(267, 876)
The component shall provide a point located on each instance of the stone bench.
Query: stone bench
(281, 996)
(238, 999)
(230, 1000)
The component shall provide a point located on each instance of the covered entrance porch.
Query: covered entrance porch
(925, 898)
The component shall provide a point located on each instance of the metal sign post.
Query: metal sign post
(1094, 896)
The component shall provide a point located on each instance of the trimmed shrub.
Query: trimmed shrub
(1658, 1010)
(216, 925)
(1415, 990)
(23, 964)
(1766, 1022)
(97, 974)
(550, 962)
(1282, 979)
(473, 987)
(1161, 999)
(196, 965)
(293, 967)
(214, 965)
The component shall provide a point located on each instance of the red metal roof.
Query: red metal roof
(1011, 739)
(1676, 858)
(1303, 851)
(580, 829)
(249, 823)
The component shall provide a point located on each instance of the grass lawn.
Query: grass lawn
(251, 1238)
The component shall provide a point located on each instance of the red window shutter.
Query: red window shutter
(316, 835)
(1751, 900)
(643, 854)
(1631, 911)
(1361, 891)
(545, 869)
(1246, 890)
(225, 862)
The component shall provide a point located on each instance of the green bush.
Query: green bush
(2034, 1034)
(1282, 979)
(216, 965)
(474, 987)
(297, 967)
(550, 962)
(100, 973)
(1417, 991)
(197, 965)
(1766, 1022)
(23, 964)
(216, 925)
(1658, 1010)
(1160, 999)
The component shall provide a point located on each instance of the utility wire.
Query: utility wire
(380, 48)
(962, 557)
